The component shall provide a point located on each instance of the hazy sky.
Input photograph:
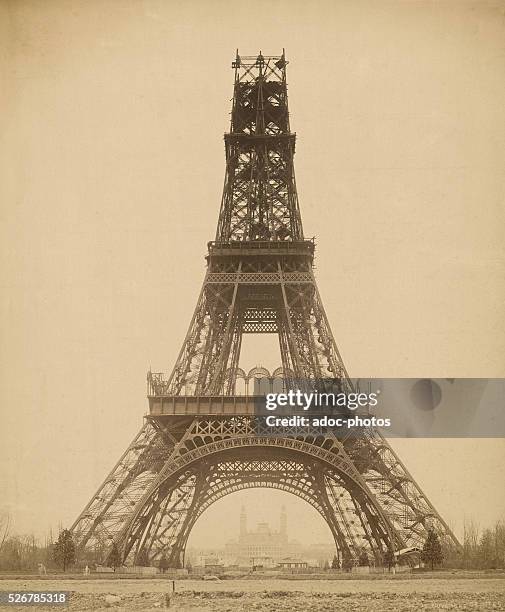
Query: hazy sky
(112, 162)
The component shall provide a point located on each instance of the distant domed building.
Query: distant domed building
(261, 547)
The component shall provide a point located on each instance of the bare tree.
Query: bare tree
(5, 527)
(470, 542)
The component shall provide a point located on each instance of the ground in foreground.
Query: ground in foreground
(277, 595)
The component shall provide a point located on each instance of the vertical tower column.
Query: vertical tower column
(243, 522)
(284, 522)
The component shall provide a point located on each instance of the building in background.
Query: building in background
(262, 546)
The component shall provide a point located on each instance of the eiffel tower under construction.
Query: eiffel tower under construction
(201, 439)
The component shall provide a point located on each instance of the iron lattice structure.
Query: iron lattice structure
(201, 440)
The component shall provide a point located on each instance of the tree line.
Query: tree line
(482, 549)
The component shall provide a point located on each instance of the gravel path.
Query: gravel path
(390, 595)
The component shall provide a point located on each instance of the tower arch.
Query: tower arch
(324, 477)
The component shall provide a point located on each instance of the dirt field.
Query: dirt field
(386, 595)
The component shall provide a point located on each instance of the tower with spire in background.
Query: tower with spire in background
(284, 522)
(243, 522)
